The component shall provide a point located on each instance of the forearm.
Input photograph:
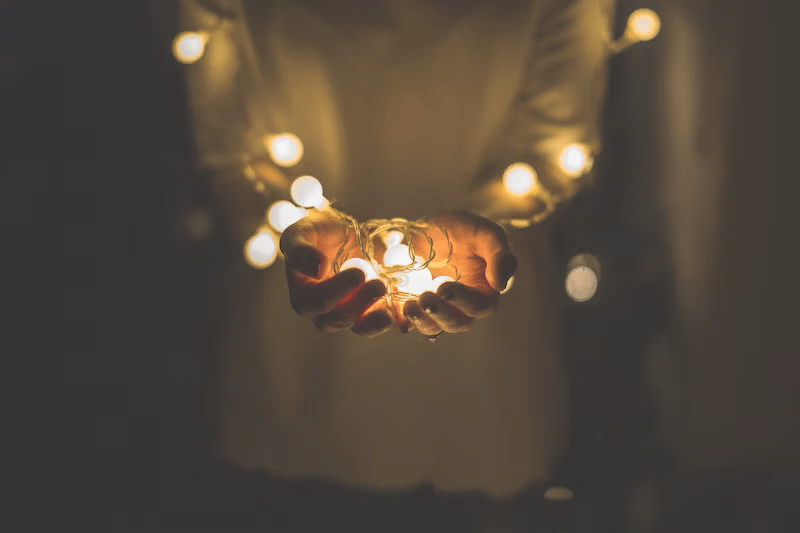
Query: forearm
(559, 107)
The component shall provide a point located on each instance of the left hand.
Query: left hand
(482, 255)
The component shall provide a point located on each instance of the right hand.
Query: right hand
(332, 301)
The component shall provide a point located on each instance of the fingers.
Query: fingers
(449, 318)
(424, 323)
(373, 323)
(351, 308)
(471, 302)
(499, 268)
(309, 297)
(493, 247)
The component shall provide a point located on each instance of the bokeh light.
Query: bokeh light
(285, 149)
(581, 283)
(643, 24)
(307, 192)
(519, 179)
(189, 46)
(574, 160)
(283, 214)
(261, 249)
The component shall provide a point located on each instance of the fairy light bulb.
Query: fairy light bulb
(398, 255)
(643, 24)
(393, 238)
(581, 283)
(285, 149)
(438, 282)
(574, 160)
(189, 46)
(361, 264)
(307, 192)
(415, 282)
(283, 214)
(519, 179)
(261, 249)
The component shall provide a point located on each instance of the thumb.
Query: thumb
(499, 269)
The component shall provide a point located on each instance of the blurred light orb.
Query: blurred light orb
(189, 46)
(283, 214)
(439, 281)
(307, 192)
(285, 149)
(508, 285)
(261, 249)
(558, 494)
(519, 179)
(361, 264)
(398, 255)
(581, 283)
(644, 24)
(574, 160)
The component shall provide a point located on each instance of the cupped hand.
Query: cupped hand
(332, 301)
(481, 253)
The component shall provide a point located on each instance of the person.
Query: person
(405, 109)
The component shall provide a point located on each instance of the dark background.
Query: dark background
(98, 181)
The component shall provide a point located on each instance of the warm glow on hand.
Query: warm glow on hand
(353, 298)
(482, 256)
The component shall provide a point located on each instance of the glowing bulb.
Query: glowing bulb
(285, 149)
(581, 283)
(574, 159)
(438, 282)
(508, 285)
(362, 265)
(519, 179)
(415, 282)
(398, 255)
(283, 214)
(261, 249)
(189, 46)
(393, 238)
(643, 24)
(307, 191)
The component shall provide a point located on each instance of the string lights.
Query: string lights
(405, 271)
